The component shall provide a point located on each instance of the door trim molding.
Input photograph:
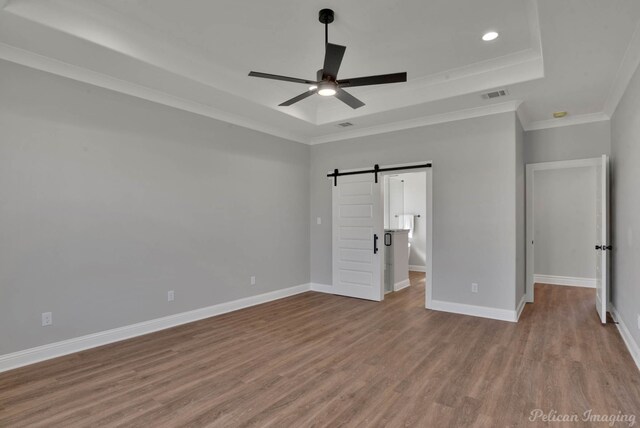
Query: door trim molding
(531, 168)
(428, 268)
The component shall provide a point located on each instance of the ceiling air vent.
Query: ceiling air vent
(495, 94)
(345, 124)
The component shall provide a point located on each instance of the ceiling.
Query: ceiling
(552, 55)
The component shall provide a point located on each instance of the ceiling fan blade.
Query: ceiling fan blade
(332, 60)
(283, 78)
(348, 99)
(373, 80)
(298, 98)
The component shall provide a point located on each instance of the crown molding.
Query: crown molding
(628, 67)
(503, 71)
(49, 65)
(150, 46)
(419, 122)
(567, 121)
(60, 68)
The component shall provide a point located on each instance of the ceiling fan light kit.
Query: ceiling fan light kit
(326, 89)
(327, 83)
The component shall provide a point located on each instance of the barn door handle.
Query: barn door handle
(385, 239)
(599, 247)
(375, 244)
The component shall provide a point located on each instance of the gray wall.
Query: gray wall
(625, 151)
(474, 192)
(565, 222)
(107, 202)
(589, 140)
(521, 259)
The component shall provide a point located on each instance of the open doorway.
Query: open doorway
(567, 227)
(358, 229)
(405, 239)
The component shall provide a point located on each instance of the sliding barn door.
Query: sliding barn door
(357, 237)
(603, 248)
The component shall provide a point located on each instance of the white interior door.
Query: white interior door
(357, 222)
(602, 232)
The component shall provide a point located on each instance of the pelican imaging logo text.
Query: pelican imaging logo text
(587, 416)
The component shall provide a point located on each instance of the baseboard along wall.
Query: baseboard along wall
(69, 346)
(565, 280)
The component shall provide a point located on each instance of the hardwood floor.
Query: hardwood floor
(322, 360)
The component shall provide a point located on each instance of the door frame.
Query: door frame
(531, 168)
(428, 220)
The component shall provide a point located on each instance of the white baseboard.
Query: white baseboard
(417, 268)
(322, 288)
(632, 345)
(565, 280)
(456, 308)
(402, 284)
(65, 347)
(476, 311)
(520, 308)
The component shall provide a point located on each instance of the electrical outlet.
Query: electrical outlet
(474, 287)
(319, 220)
(47, 318)
(171, 296)
(253, 280)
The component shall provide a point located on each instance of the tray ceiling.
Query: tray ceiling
(195, 55)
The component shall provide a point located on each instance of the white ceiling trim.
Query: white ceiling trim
(496, 73)
(60, 68)
(416, 123)
(566, 121)
(626, 71)
(43, 63)
(534, 26)
(185, 62)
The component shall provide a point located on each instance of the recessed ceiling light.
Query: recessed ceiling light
(559, 114)
(313, 87)
(491, 35)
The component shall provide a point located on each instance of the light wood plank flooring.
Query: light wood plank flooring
(322, 360)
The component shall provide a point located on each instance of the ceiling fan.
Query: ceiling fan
(327, 83)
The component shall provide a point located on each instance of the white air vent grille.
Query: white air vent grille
(495, 94)
(345, 124)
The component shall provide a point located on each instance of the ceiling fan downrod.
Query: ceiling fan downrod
(326, 17)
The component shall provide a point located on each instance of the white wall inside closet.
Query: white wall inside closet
(564, 219)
